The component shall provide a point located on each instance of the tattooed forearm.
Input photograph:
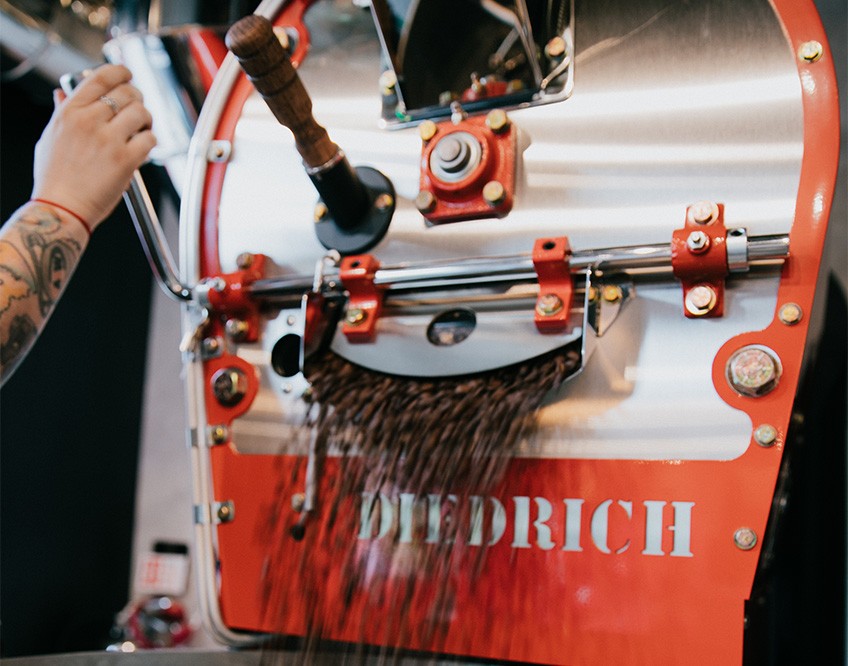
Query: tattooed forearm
(39, 251)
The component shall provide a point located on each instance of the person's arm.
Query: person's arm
(84, 161)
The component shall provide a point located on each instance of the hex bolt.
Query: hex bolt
(810, 51)
(745, 538)
(219, 434)
(244, 260)
(765, 435)
(425, 201)
(700, 300)
(703, 212)
(320, 211)
(427, 130)
(210, 347)
(384, 201)
(698, 242)
(356, 316)
(612, 293)
(236, 329)
(494, 192)
(298, 501)
(753, 371)
(229, 386)
(549, 305)
(790, 314)
(555, 48)
(497, 121)
(225, 513)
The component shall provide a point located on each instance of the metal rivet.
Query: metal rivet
(493, 192)
(229, 386)
(320, 211)
(356, 316)
(497, 121)
(703, 212)
(765, 435)
(297, 501)
(219, 434)
(612, 293)
(810, 51)
(698, 242)
(384, 201)
(244, 260)
(745, 538)
(753, 371)
(790, 314)
(555, 48)
(236, 329)
(700, 300)
(548, 305)
(425, 201)
(291, 320)
(427, 130)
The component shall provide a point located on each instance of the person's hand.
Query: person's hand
(94, 141)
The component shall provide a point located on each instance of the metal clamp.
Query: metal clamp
(365, 301)
(553, 305)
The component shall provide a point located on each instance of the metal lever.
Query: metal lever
(146, 224)
(356, 204)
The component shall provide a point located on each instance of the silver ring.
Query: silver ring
(112, 103)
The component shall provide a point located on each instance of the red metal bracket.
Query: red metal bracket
(556, 286)
(229, 299)
(699, 260)
(488, 189)
(365, 300)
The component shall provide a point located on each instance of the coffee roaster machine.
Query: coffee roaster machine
(439, 189)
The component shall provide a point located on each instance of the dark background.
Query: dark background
(70, 420)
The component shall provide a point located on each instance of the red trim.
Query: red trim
(207, 52)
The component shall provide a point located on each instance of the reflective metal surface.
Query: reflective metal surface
(673, 104)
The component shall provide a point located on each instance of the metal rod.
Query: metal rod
(478, 271)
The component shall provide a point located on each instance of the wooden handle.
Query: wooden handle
(267, 65)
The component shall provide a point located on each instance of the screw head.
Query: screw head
(790, 314)
(611, 293)
(427, 130)
(384, 201)
(700, 300)
(497, 121)
(753, 371)
(356, 316)
(549, 305)
(765, 435)
(703, 212)
(219, 434)
(236, 329)
(555, 48)
(388, 81)
(244, 260)
(210, 347)
(698, 242)
(229, 386)
(297, 502)
(225, 513)
(810, 51)
(321, 211)
(425, 201)
(745, 538)
(493, 192)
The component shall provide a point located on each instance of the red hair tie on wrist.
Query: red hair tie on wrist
(67, 210)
